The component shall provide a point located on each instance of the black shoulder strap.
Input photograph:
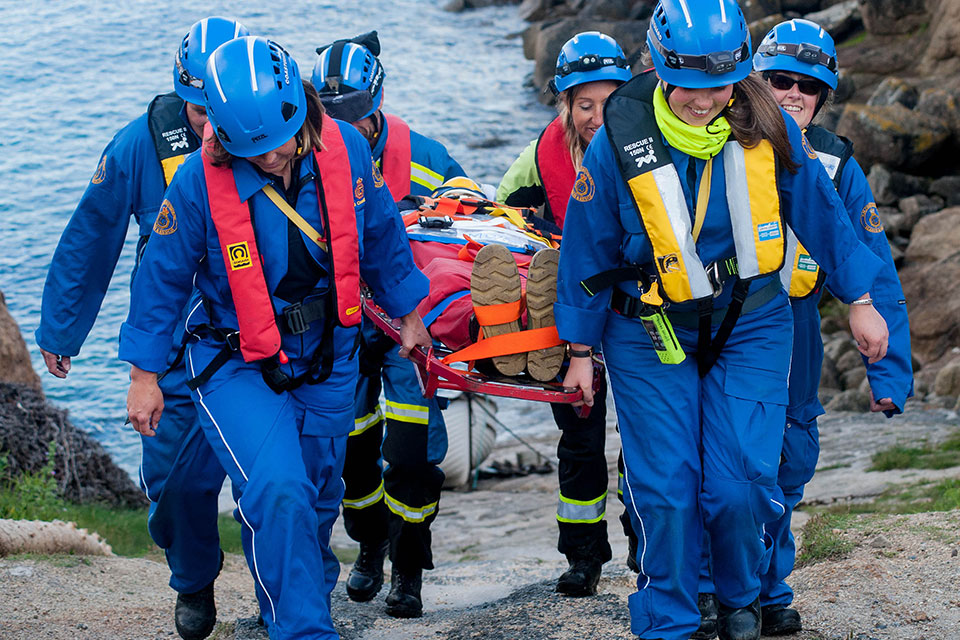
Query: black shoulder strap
(172, 136)
(833, 146)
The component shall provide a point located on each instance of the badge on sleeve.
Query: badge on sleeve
(358, 193)
(870, 219)
(584, 188)
(808, 148)
(377, 176)
(101, 173)
(166, 220)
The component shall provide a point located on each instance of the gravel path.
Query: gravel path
(497, 561)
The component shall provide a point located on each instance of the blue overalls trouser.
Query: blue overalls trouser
(284, 454)
(182, 477)
(700, 452)
(401, 501)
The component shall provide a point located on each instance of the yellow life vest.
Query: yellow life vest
(655, 188)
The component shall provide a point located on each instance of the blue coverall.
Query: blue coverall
(284, 452)
(698, 451)
(891, 377)
(412, 436)
(178, 472)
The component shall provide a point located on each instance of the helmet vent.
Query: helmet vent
(279, 85)
(276, 69)
(287, 110)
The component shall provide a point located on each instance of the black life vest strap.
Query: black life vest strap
(709, 350)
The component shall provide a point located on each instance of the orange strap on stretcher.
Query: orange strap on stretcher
(506, 344)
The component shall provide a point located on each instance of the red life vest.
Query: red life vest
(259, 334)
(555, 168)
(395, 162)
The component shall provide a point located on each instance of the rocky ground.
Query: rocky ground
(496, 564)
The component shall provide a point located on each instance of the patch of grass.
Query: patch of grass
(840, 465)
(34, 496)
(853, 40)
(823, 539)
(939, 456)
(346, 555)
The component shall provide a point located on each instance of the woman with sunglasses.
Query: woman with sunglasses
(798, 60)
(274, 222)
(590, 66)
(675, 236)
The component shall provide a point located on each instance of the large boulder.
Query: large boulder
(14, 358)
(890, 186)
(839, 20)
(931, 284)
(942, 56)
(83, 469)
(891, 17)
(892, 134)
(756, 9)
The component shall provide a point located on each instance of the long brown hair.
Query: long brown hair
(755, 116)
(575, 144)
(308, 138)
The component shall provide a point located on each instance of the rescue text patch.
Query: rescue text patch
(870, 219)
(239, 255)
(166, 220)
(584, 188)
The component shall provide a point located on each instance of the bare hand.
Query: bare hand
(883, 404)
(56, 364)
(870, 331)
(144, 401)
(580, 376)
(413, 334)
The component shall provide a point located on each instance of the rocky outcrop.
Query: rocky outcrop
(83, 469)
(14, 358)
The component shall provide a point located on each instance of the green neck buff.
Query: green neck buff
(699, 142)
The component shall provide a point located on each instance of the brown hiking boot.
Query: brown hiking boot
(494, 280)
(543, 364)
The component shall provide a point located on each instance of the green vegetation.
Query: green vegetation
(853, 40)
(823, 538)
(940, 456)
(34, 496)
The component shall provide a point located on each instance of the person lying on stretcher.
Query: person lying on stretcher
(493, 279)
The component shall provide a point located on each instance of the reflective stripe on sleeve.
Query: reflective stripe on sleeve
(425, 177)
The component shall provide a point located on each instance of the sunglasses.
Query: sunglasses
(783, 82)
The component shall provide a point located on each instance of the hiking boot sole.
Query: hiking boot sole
(495, 279)
(543, 364)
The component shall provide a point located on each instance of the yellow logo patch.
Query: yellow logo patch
(239, 254)
(808, 148)
(352, 310)
(584, 188)
(166, 220)
(101, 173)
(669, 263)
(358, 192)
(870, 219)
(377, 176)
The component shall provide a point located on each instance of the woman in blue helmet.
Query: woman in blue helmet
(591, 65)
(274, 223)
(675, 236)
(798, 60)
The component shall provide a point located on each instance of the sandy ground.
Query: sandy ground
(495, 551)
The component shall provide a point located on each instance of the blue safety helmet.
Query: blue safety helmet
(349, 77)
(191, 61)
(254, 96)
(587, 57)
(699, 43)
(800, 46)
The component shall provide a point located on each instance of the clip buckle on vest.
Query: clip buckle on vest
(293, 315)
(444, 222)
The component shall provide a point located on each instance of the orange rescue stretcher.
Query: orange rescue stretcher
(433, 374)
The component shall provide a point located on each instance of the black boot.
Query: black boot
(581, 578)
(404, 601)
(739, 624)
(632, 544)
(196, 613)
(366, 576)
(779, 620)
(707, 603)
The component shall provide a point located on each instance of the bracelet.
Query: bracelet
(864, 301)
(580, 353)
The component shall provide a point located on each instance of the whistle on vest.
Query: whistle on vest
(657, 325)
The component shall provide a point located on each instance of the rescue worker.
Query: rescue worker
(590, 66)
(178, 472)
(798, 59)
(683, 197)
(387, 509)
(275, 222)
